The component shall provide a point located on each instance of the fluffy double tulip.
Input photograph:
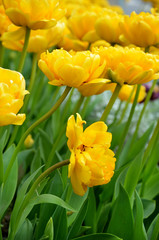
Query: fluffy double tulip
(129, 65)
(12, 92)
(107, 27)
(82, 70)
(92, 163)
(140, 29)
(34, 14)
(4, 21)
(39, 41)
(82, 25)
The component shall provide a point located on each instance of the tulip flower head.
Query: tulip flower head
(4, 21)
(129, 65)
(12, 92)
(92, 163)
(33, 14)
(82, 70)
(140, 29)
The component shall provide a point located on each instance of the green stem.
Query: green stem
(35, 186)
(23, 109)
(143, 109)
(128, 122)
(84, 109)
(28, 131)
(1, 54)
(111, 102)
(126, 105)
(24, 52)
(78, 104)
(117, 111)
(53, 150)
(32, 81)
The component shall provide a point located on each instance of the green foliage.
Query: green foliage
(121, 222)
(7, 189)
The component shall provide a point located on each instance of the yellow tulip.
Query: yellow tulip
(34, 14)
(92, 163)
(107, 27)
(70, 42)
(74, 69)
(129, 65)
(140, 29)
(12, 92)
(4, 21)
(78, 24)
(39, 41)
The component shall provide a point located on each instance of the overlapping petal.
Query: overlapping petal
(12, 92)
(92, 162)
(39, 14)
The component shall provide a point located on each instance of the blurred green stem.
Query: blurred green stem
(24, 52)
(85, 105)
(117, 111)
(32, 191)
(143, 109)
(26, 100)
(78, 104)
(63, 128)
(1, 54)
(126, 105)
(128, 122)
(35, 124)
(111, 102)
(32, 82)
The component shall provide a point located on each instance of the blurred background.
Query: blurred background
(132, 5)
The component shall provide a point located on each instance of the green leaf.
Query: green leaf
(20, 198)
(3, 141)
(25, 232)
(103, 215)
(60, 220)
(91, 218)
(36, 162)
(8, 189)
(121, 222)
(98, 236)
(151, 187)
(131, 150)
(78, 222)
(54, 187)
(153, 231)
(117, 132)
(140, 144)
(133, 174)
(44, 198)
(76, 202)
(49, 231)
(139, 230)
(149, 207)
(151, 163)
(45, 145)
